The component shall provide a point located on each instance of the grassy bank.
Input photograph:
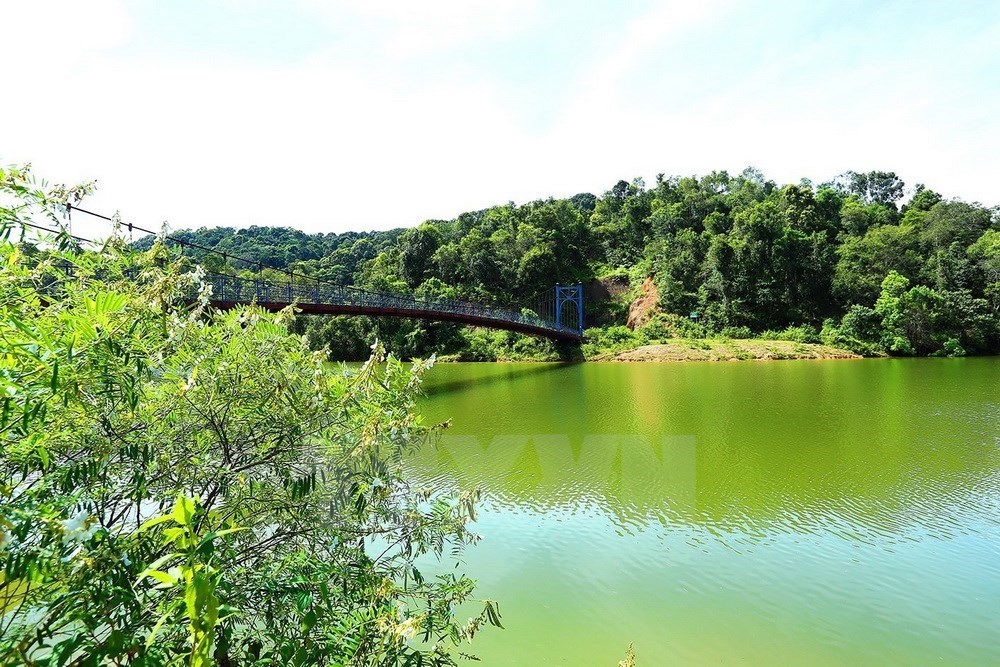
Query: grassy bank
(621, 344)
(718, 349)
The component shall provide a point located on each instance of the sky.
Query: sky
(374, 114)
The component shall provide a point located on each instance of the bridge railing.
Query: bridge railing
(232, 289)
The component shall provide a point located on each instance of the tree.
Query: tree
(950, 222)
(416, 250)
(720, 304)
(923, 199)
(480, 261)
(619, 220)
(876, 187)
(448, 264)
(865, 261)
(183, 486)
(801, 209)
(856, 218)
(862, 324)
(677, 264)
(584, 202)
(767, 264)
(537, 269)
(985, 252)
(909, 315)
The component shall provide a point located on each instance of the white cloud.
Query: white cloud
(56, 34)
(406, 28)
(320, 146)
(637, 39)
(327, 144)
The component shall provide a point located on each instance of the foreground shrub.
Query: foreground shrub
(184, 486)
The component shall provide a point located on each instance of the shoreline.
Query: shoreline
(688, 350)
(709, 349)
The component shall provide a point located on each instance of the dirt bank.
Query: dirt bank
(644, 306)
(728, 350)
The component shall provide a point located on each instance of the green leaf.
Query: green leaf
(105, 302)
(159, 623)
(161, 576)
(183, 510)
(155, 565)
(155, 521)
(171, 534)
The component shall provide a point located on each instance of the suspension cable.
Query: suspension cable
(221, 253)
(541, 303)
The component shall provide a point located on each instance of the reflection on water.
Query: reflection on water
(512, 371)
(636, 481)
(627, 477)
(818, 511)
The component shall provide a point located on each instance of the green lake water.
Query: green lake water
(801, 512)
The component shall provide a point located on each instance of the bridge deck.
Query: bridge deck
(326, 299)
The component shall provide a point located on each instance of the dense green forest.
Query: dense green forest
(842, 262)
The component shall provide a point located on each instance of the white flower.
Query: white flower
(407, 629)
(74, 524)
(80, 528)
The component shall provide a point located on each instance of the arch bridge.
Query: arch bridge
(556, 314)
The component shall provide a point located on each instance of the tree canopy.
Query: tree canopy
(743, 251)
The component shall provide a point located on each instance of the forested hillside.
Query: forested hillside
(843, 262)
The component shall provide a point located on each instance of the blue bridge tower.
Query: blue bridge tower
(572, 295)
